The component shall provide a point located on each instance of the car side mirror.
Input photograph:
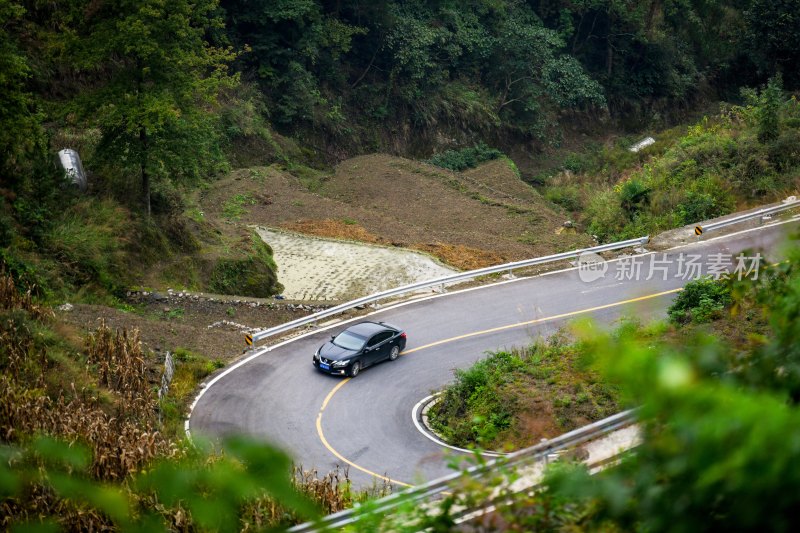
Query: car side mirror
(333, 337)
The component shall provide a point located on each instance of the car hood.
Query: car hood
(334, 352)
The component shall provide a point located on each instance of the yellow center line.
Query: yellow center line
(341, 384)
(540, 320)
(331, 393)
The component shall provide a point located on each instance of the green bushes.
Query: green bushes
(700, 301)
(567, 197)
(714, 167)
(770, 104)
(495, 403)
(89, 240)
(634, 195)
(253, 273)
(472, 409)
(234, 207)
(465, 158)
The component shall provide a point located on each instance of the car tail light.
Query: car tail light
(403, 334)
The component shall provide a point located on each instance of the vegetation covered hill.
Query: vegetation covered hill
(156, 116)
(196, 118)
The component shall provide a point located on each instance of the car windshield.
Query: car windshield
(349, 341)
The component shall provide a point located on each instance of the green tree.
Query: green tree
(294, 48)
(20, 133)
(159, 79)
(769, 107)
(773, 38)
(532, 77)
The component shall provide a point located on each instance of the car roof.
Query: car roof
(367, 329)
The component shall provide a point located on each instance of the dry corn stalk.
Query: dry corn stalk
(11, 298)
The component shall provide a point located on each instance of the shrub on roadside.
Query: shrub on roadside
(465, 158)
(492, 403)
(567, 196)
(700, 301)
(252, 272)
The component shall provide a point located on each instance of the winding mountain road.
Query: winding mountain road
(366, 424)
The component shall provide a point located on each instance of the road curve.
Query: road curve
(365, 423)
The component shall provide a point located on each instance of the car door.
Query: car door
(378, 348)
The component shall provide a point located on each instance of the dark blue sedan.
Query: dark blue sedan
(359, 346)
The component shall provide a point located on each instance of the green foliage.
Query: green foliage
(465, 158)
(160, 77)
(700, 301)
(471, 411)
(634, 196)
(487, 402)
(234, 207)
(568, 197)
(713, 167)
(700, 206)
(217, 491)
(606, 216)
(771, 103)
(20, 132)
(775, 364)
(89, 240)
(253, 273)
(771, 37)
(428, 65)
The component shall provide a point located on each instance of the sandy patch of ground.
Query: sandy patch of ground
(313, 268)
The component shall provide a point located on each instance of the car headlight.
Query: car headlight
(340, 364)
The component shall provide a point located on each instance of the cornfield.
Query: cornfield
(116, 358)
(115, 416)
(11, 298)
(331, 492)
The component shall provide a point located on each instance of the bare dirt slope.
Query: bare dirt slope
(485, 216)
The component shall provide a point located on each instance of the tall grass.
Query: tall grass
(89, 239)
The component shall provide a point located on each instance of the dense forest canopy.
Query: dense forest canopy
(142, 88)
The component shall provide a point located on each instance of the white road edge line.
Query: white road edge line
(415, 418)
(409, 302)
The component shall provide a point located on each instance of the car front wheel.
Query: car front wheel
(355, 369)
(394, 353)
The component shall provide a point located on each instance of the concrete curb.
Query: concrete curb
(419, 415)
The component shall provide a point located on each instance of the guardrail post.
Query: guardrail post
(511, 274)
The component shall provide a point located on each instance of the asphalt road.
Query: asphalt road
(365, 423)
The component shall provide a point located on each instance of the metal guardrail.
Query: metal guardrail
(446, 280)
(790, 203)
(437, 487)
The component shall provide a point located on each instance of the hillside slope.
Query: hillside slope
(484, 216)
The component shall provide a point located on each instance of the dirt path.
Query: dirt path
(313, 268)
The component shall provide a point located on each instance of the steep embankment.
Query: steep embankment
(484, 216)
